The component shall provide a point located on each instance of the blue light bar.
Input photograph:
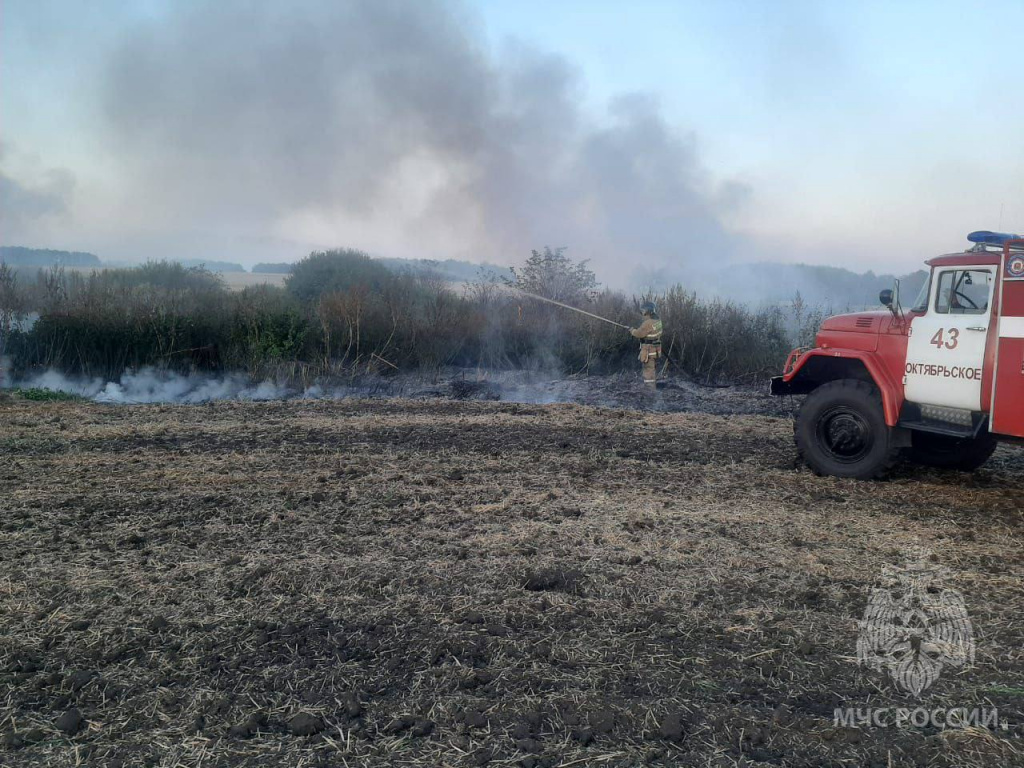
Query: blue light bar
(985, 237)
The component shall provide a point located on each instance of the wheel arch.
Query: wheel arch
(819, 366)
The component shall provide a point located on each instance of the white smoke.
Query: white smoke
(149, 385)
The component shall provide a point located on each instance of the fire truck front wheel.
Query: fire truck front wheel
(841, 431)
(965, 454)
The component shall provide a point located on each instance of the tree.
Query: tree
(554, 275)
(338, 270)
(12, 306)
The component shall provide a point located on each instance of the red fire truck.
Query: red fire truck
(941, 382)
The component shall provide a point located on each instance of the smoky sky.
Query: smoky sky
(396, 127)
(30, 196)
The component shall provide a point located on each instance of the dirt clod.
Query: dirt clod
(305, 724)
(248, 727)
(70, 722)
(528, 745)
(583, 735)
(482, 756)
(80, 679)
(242, 730)
(400, 724)
(671, 727)
(353, 707)
(553, 580)
(422, 727)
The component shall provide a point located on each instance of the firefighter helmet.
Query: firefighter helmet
(649, 308)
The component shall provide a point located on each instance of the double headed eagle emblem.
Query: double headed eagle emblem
(913, 628)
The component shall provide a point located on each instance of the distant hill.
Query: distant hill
(833, 286)
(44, 257)
(265, 268)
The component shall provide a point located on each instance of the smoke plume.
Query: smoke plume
(30, 193)
(391, 126)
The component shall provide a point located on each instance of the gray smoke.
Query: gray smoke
(46, 192)
(394, 114)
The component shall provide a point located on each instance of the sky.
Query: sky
(653, 138)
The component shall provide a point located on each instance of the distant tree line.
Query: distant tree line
(756, 284)
(43, 257)
(212, 265)
(451, 270)
(341, 312)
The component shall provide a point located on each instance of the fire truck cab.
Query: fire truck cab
(940, 382)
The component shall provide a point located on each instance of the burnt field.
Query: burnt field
(397, 582)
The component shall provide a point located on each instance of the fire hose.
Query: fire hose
(569, 306)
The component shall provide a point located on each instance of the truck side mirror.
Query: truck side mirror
(886, 297)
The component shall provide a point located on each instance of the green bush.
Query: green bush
(268, 326)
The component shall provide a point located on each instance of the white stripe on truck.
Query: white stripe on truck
(1011, 327)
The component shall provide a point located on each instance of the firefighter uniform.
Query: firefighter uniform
(649, 334)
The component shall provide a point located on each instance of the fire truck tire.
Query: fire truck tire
(966, 454)
(841, 431)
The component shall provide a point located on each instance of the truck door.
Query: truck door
(1008, 394)
(946, 352)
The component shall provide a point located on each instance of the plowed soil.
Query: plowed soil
(432, 582)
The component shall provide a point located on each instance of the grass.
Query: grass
(1007, 690)
(39, 395)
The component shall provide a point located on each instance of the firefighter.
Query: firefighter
(649, 334)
